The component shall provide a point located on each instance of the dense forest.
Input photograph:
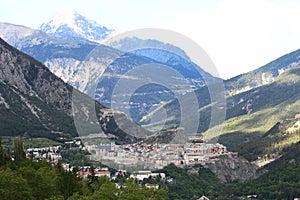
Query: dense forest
(282, 183)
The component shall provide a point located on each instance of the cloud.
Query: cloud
(241, 35)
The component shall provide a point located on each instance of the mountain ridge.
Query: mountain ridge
(263, 75)
(35, 102)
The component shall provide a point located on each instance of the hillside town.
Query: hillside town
(156, 156)
(137, 156)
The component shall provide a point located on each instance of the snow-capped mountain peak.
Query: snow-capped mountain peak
(70, 24)
(67, 16)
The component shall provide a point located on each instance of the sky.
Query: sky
(238, 35)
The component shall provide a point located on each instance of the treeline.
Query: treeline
(280, 183)
(22, 179)
(185, 185)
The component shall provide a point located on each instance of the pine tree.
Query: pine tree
(93, 177)
(19, 152)
(1, 153)
(4, 157)
(68, 184)
(2, 161)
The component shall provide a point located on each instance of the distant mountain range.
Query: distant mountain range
(71, 60)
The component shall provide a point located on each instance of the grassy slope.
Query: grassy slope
(277, 141)
(269, 104)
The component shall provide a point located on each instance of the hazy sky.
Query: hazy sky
(238, 35)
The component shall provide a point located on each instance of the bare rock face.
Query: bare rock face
(228, 169)
(31, 77)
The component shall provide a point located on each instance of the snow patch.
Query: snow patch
(66, 16)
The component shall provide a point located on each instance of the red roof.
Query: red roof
(96, 172)
(83, 173)
(102, 172)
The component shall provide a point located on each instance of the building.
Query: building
(102, 173)
(141, 175)
(197, 138)
(83, 175)
(252, 196)
(84, 172)
(203, 198)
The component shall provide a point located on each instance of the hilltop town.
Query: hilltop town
(136, 157)
(143, 155)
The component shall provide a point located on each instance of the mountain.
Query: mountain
(70, 24)
(263, 75)
(277, 154)
(166, 54)
(271, 90)
(23, 86)
(35, 102)
(251, 114)
(274, 143)
(14, 33)
(237, 105)
(138, 46)
(81, 63)
(166, 81)
(62, 56)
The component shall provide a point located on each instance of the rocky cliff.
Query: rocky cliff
(228, 169)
